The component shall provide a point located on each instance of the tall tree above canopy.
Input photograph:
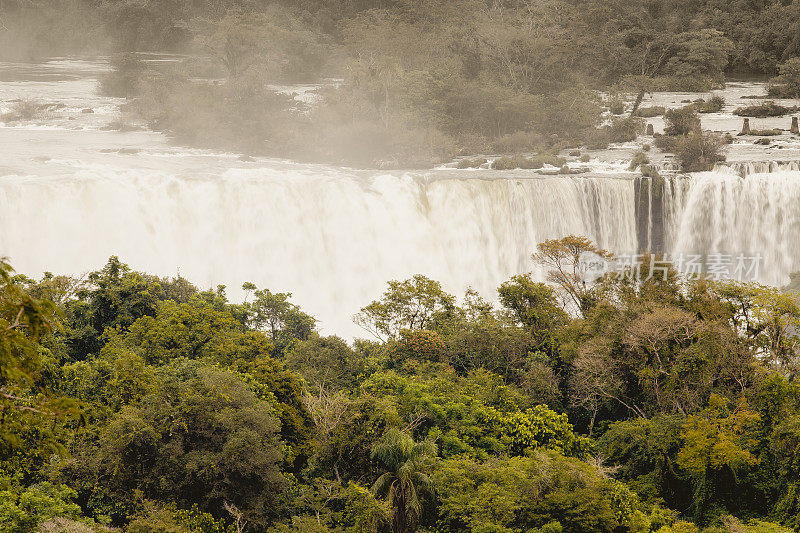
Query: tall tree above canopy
(416, 303)
(570, 266)
(278, 317)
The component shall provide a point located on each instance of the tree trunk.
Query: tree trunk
(637, 103)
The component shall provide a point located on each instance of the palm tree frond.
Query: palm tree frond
(382, 483)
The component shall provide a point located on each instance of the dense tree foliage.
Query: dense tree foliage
(609, 403)
(584, 402)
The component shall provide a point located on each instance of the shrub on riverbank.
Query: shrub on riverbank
(665, 143)
(640, 159)
(519, 141)
(698, 152)
(650, 112)
(681, 121)
(763, 110)
(787, 83)
(712, 105)
(471, 163)
(649, 171)
(625, 129)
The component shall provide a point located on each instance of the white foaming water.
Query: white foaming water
(723, 212)
(73, 194)
(746, 168)
(331, 237)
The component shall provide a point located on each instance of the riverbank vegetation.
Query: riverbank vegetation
(696, 150)
(405, 84)
(765, 109)
(134, 403)
(420, 84)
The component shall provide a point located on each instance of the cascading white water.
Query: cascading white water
(676, 190)
(332, 237)
(72, 193)
(745, 168)
(723, 212)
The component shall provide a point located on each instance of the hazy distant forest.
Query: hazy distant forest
(137, 404)
(409, 82)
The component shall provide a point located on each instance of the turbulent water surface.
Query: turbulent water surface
(73, 192)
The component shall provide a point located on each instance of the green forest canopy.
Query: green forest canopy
(142, 403)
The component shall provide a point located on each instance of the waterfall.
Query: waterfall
(330, 236)
(724, 212)
(676, 190)
(334, 237)
(746, 168)
(72, 194)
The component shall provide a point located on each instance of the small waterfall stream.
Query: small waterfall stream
(724, 212)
